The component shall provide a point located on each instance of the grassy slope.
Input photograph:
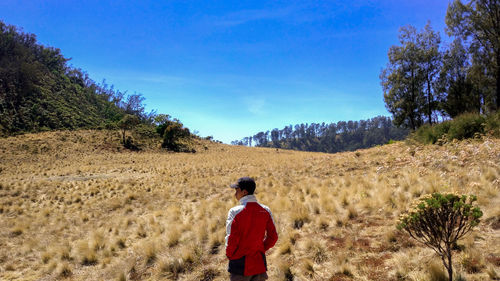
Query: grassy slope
(72, 205)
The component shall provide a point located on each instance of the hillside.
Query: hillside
(40, 91)
(74, 206)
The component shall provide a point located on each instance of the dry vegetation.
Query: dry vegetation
(75, 207)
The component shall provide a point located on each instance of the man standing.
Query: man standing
(250, 232)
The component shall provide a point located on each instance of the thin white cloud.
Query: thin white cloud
(244, 16)
(255, 105)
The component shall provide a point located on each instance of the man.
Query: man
(250, 232)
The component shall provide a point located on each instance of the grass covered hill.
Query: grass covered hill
(73, 207)
(39, 91)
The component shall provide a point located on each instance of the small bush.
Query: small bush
(146, 131)
(466, 126)
(492, 124)
(431, 134)
(175, 137)
(439, 221)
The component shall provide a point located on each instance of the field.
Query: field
(73, 206)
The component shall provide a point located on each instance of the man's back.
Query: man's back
(250, 233)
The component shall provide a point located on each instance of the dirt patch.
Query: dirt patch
(493, 259)
(340, 277)
(338, 242)
(376, 262)
(495, 222)
(362, 244)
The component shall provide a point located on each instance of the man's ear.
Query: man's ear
(246, 191)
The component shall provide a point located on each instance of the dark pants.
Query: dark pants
(258, 277)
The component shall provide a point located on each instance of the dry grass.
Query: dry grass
(83, 209)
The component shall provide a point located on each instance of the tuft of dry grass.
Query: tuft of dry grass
(437, 272)
(64, 270)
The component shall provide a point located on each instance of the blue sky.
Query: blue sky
(233, 68)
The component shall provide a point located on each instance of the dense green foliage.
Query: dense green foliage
(465, 126)
(422, 83)
(409, 81)
(175, 136)
(478, 23)
(39, 91)
(439, 221)
(334, 137)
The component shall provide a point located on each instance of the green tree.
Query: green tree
(456, 91)
(439, 221)
(430, 64)
(175, 136)
(478, 21)
(128, 122)
(161, 119)
(410, 79)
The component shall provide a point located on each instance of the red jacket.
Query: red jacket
(250, 232)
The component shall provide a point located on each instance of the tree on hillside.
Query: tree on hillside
(409, 79)
(401, 81)
(175, 136)
(128, 122)
(478, 22)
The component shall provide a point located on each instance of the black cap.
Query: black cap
(245, 183)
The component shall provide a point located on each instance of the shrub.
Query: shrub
(431, 134)
(146, 131)
(175, 137)
(439, 220)
(466, 126)
(492, 124)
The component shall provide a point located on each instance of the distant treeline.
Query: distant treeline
(39, 91)
(333, 137)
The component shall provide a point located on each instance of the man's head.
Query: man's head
(244, 186)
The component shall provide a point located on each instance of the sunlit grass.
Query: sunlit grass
(84, 209)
